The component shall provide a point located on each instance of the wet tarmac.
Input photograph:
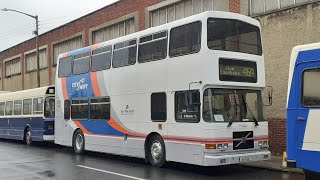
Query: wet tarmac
(48, 161)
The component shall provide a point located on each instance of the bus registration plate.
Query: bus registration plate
(244, 159)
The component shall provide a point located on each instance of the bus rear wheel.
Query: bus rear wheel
(78, 142)
(27, 137)
(156, 151)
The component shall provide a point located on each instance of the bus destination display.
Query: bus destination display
(237, 70)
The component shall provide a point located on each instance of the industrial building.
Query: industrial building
(285, 24)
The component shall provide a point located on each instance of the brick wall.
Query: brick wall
(94, 19)
(277, 136)
(234, 6)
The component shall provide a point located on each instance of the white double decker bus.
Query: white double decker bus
(188, 91)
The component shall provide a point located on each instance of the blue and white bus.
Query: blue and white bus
(28, 115)
(303, 110)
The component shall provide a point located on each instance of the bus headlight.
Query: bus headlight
(217, 146)
(262, 143)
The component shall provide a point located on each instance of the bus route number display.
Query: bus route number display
(237, 70)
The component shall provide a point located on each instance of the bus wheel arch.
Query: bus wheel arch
(155, 150)
(27, 139)
(78, 141)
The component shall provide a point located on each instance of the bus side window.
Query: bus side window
(185, 39)
(187, 109)
(153, 47)
(79, 109)
(101, 59)
(100, 108)
(27, 106)
(81, 63)
(9, 107)
(17, 108)
(310, 92)
(2, 105)
(65, 66)
(159, 107)
(124, 53)
(37, 105)
(67, 109)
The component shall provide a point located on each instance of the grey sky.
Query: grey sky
(16, 28)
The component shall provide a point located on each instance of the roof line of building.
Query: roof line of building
(118, 1)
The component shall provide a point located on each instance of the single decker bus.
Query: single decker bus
(28, 115)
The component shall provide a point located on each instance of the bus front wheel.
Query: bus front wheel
(78, 142)
(156, 151)
(27, 137)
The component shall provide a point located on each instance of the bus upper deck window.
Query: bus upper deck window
(185, 39)
(65, 66)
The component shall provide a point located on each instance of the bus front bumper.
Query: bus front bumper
(48, 137)
(225, 159)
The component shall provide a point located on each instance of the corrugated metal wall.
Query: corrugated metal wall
(113, 31)
(65, 46)
(264, 6)
(31, 60)
(13, 67)
(184, 9)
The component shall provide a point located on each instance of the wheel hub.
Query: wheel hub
(156, 150)
(79, 142)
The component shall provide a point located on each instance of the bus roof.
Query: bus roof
(24, 94)
(167, 26)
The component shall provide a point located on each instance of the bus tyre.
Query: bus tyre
(78, 142)
(27, 137)
(156, 151)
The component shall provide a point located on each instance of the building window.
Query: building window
(66, 46)
(2, 106)
(79, 109)
(100, 108)
(67, 109)
(13, 67)
(184, 9)
(310, 92)
(17, 108)
(37, 105)
(101, 58)
(65, 66)
(159, 107)
(265, 6)
(187, 106)
(185, 39)
(31, 61)
(9, 108)
(113, 31)
(153, 47)
(27, 106)
(81, 63)
(124, 53)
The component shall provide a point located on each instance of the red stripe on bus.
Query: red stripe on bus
(64, 88)
(95, 84)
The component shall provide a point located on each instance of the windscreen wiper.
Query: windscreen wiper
(251, 114)
(236, 111)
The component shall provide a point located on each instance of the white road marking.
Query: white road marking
(109, 172)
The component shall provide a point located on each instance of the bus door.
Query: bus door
(308, 110)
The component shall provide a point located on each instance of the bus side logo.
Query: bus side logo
(80, 85)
